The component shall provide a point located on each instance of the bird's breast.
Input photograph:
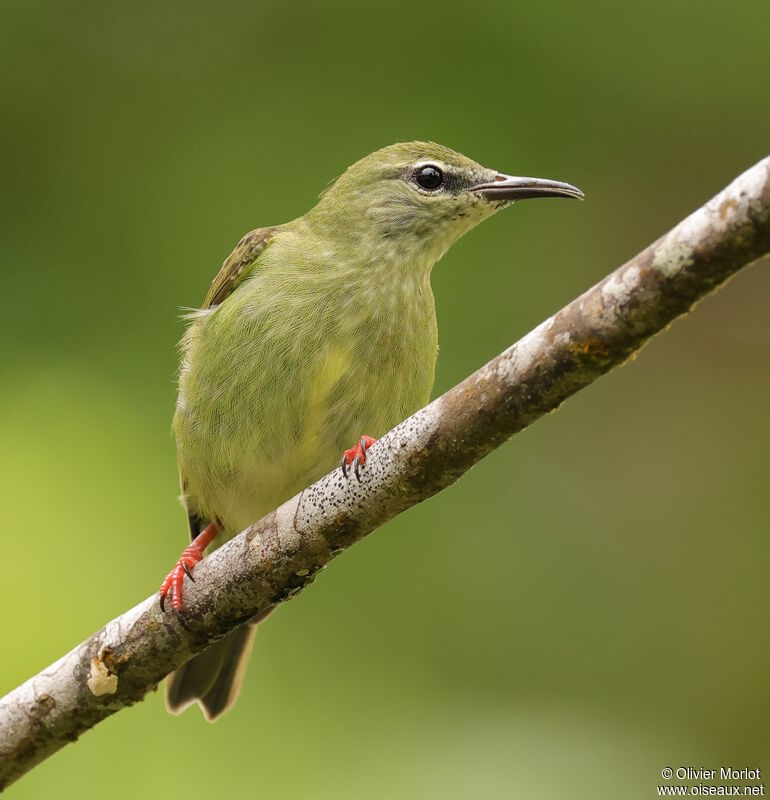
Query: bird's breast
(281, 378)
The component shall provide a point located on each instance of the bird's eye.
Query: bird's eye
(429, 177)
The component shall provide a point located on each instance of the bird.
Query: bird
(314, 335)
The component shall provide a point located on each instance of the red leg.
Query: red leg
(356, 456)
(192, 554)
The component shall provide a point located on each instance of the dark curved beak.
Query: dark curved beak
(506, 187)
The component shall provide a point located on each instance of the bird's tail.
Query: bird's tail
(213, 678)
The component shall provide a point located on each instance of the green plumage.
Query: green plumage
(306, 354)
(314, 333)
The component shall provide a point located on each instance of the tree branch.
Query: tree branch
(272, 560)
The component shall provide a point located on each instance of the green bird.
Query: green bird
(312, 334)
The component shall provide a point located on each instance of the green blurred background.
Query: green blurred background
(587, 606)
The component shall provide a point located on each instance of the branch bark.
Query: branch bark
(272, 560)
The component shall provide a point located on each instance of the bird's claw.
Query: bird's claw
(355, 458)
(171, 588)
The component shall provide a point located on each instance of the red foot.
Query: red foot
(356, 456)
(192, 554)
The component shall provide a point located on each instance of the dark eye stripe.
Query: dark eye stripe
(429, 177)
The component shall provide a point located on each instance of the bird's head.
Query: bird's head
(420, 197)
